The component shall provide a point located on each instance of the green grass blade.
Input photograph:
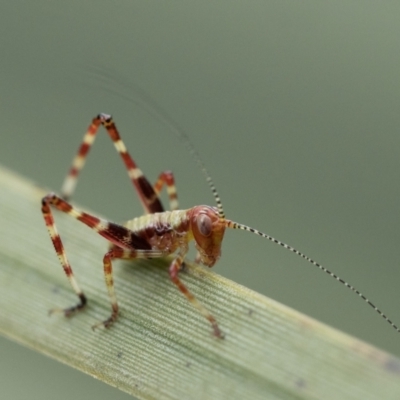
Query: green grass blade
(161, 348)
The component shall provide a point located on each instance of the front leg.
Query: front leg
(174, 270)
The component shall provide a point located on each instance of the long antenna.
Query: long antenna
(235, 225)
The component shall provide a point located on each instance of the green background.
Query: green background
(293, 106)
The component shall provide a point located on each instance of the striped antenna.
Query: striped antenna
(235, 225)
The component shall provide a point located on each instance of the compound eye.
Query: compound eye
(204, 225)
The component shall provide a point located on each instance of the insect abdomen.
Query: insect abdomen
(163, 231)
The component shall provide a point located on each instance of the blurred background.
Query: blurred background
(293, 106)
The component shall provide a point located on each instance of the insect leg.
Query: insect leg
(147, 196)
(79, 160)
(120, 236)
(59, 248)
(167, 178)
(173, 273)
(117, 252)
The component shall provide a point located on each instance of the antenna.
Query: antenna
(235, 225)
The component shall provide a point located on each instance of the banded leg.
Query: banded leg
(117, 252)
(174, 269)
(146, 193)
(59, 248)
(167, 178)
(120, 236)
